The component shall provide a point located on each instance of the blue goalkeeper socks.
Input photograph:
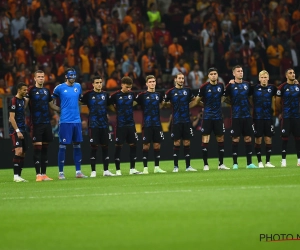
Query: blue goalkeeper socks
(77, 156)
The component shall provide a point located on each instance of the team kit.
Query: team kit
(251, 115)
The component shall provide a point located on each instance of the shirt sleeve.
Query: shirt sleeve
(56, 91)
(83, 98)
(227, 91)
(161, 97)
(192, 97)
(138, 99)
(50, 99)
(12, 105)
(167, 96)
(279, 92)
(201, 91)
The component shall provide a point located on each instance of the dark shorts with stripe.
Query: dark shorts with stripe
(126, 134)
(41, 133)
(263, 128)
(99, 136)
(290, 126)
(182, 131)
(241, 126)
(152, 134)
(20, 143)
(209, 126)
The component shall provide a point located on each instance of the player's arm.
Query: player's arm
(14, 124)
(54, 107)
(278, 104)
(196, 101)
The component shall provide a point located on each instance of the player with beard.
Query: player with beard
(39, 102)
(17, 130)
(287, 105)
(180, 98)
(69, 93)
(262, 96)
(211, 94)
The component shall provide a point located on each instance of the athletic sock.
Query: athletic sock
(77, 156)
(16, 165)
(145, 157)
(284, 147)
(105, 157)
(118, 149)
(221, 152)
(156, 157)
(186, 151)
(268, 152)
(93, 158)
(234, 152)
(44, 159)
(258, 151)
(204, 153)
(132, 156)
(37, 157)
(249, 152)
(175, 155)
(61, 157)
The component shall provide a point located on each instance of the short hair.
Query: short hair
(288, 70)
(179, 73)
(263, 72)
(236, 67)
(39, 72)
(150, 77)
(126, 80)
(21, 84)
(96, 78)
(212, 69)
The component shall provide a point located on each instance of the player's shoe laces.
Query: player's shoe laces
(93, 174)
(39, 177)
(190, 169)
(118, 173)
(205, 168)
(134, 171)
(269, 165)
(261, 165)
(19, 179)
(175, 170)
(159, 170)
(235, 166)
(108, 173)
(61, 176)
(223, 167)
(46, 178)
(80, 175)
(251, 166)
(146, 170)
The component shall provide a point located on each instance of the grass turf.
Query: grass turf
(185, 210)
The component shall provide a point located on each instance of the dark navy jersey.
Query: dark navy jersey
(212, 97)
(17, 106)
(97, 103)
(149, 102)
(262, 101)
(39, 99)
(289, 94)
(239, 93)
(180, 100)
(123, 103)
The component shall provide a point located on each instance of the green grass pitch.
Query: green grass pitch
(185, 210)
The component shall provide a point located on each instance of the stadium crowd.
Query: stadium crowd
(135, 38)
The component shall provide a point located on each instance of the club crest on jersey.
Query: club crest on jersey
(129, 97)
(45, 92)
(156, 97)
(184, 92)
(245, 87)
(219, 89)
(269, 90)
(103, 97)
(76, 90)
(297, 89)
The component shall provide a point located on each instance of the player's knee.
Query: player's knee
(177, 143)
(156, 146)
(186, 143)
(235, 139)
(247, 139)
(205, 139)
(258, 140)
(220, 138)
(146, 146)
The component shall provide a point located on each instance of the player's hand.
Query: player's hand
(231, 81)
(296, 81)
(20, 135)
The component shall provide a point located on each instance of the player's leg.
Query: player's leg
(65, 138)
(94, 135)
(296, 134)
(258, 127)
(235, 134)
(269, 132)
(219, 131)
(247, 132)
(285, 132)
(25, 145)
(120, 138)
(187, 134)
(104, 141)
(47, 138)
(132, 139)
(206, 129)
(176, 136)
(147, 137)
(17, 147)
(37, 132)
(77, 153)
(158, 136)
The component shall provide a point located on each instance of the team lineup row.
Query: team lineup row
(238, 93)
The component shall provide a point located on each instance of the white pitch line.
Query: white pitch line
(147, 192)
